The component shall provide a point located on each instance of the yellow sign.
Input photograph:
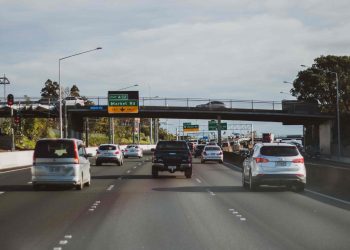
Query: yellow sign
(122, 109)
(191, 129)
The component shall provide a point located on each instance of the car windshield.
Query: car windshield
(279, 151)
(107, 147)
(179, 145)
(212, 149)
(54, 149)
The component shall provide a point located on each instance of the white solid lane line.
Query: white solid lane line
(14, 170)
(2, 192)
(327, 196)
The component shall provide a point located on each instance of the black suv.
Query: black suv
(172, 156)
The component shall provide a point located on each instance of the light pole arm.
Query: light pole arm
(77, 54)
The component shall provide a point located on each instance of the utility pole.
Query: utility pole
(4, 81)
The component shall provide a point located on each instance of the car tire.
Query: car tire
(126, 156)
(88, 184)
(98, 163)
(188, 173)
(154, 172)
(221, 162)
(299, 188)
(244, 184)
(119, 162)
(36, 187)
(202, 161)
(252, 185)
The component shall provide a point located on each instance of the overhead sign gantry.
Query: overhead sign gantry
(123, 102)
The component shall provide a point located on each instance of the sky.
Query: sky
(217, 49)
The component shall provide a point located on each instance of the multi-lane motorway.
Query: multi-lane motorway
(125, 208)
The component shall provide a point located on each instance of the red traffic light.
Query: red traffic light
(17, 119)
(10, 99)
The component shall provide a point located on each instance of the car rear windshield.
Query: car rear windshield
(212, 149)
(107, 147)
(200, 146)
(177, 145)
(54, 149)
(279, 151)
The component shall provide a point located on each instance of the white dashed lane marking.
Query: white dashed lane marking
(63, 242)
(110, 187)
(68, 236)
(128, 171)
(57, 248)
(135, 167)
(198, 180)
(2, 192)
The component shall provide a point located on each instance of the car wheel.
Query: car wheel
(88, 184)
(119, 162)
(154, 172)
(126, 156)
(252, 185)
(221, 162)
(98, 163)
(80, 186)
(188, 173)
(36, 187)
(299, 187)
(202, 161)
(244, 184)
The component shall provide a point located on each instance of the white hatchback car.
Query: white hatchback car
(212, 153)
(133, 151)
(109, 153)
(274, 164)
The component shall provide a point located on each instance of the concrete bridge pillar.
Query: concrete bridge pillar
(325, 131)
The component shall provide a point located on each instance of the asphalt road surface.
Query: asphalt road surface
(125, 208)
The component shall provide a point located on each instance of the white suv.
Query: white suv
(74, 101)
(274, 164)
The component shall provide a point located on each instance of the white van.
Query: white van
(62, 162)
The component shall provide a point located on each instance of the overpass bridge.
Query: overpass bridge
(183, 108)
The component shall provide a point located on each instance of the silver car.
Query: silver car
(212, 153)
(133, 151)
(109, 153)
(274, 164)
(60, 161)
(212, 105)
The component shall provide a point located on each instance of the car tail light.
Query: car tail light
(125, 150)
(300, 175)
(261, 160)
(299, 160)
(98, 152)
(76, 155)
(116, 152)
(220, 153)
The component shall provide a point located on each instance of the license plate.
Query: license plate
(54, 169)
(108, 154)
(281, 163)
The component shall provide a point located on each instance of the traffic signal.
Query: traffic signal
(10, 99)
(17, 120)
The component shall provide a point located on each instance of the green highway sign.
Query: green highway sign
(186, 123)
(213, 125)
(123, 102)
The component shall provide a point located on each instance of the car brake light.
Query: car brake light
(261, 160)
(116, 152)
(76, 155)
(125, 150)
(299, 175)
(299, 160)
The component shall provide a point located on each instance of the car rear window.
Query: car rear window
(107, 147)
(54, 149)
(279, 151)
(200, 146)
(212, 149)
(177, 145)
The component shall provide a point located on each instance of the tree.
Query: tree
(317, 84)
(50, 90)
(74, 91)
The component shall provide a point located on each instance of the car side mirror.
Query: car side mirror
(153, 149)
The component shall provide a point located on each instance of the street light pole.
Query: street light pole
(60, 88)
(337, 106)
